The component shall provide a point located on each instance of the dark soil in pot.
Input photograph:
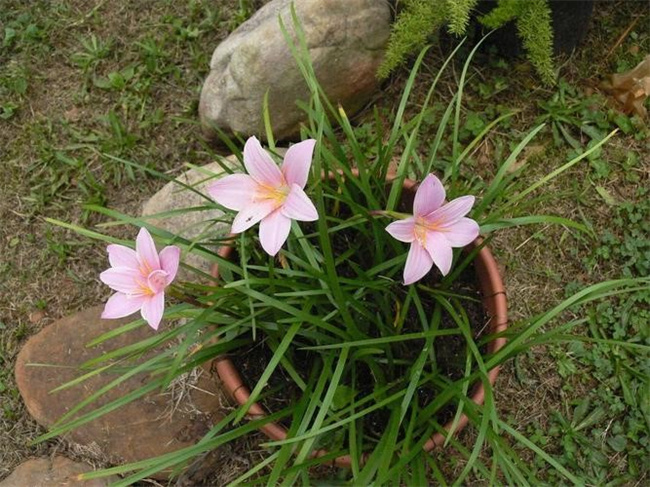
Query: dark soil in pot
(450, 351)
(377, 306)
(281, 390)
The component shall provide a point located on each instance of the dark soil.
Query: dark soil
(450, 350)
(281, 390)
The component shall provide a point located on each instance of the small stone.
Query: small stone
(155, 424)
(192, 225)
(37, 316)
(346, 41)
(53, 472)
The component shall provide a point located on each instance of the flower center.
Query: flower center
(277, 194)
(422, 227)
(155, 283)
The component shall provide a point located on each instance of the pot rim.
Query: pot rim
(496, 307)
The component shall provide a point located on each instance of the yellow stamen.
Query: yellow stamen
(276, 194)
(422, 227)
(145, 268)
(144, 288)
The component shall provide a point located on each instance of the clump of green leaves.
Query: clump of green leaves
(614, 441)
(421, 18)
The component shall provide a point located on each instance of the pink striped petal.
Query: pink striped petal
(298, 206)
(147, 253)
(440, 251)
(402, 230)
(121, 256)
(297, 162)
(252, 214)
(234, 191)
(122, 279)
(169, 259)
(260, 165)
(451, 212)
(418, 263)
(429, 196)
(274, 230)
(461, 233)
(120, 305)
(153, 309)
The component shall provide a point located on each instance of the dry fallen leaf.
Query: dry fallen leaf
(528, 152)
(632, 87)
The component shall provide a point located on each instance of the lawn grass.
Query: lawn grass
(79, 82)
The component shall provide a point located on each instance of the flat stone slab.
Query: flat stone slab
(155, 424)
(53, 472)
(200, 226)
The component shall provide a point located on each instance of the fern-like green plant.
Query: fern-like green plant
(411, 31)
(459, 12)
(533, 21)
(420, 19)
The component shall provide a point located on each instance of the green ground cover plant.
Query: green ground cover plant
(612, 421)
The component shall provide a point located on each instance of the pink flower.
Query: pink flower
(140, 277)
(434, 229)
(268, 194)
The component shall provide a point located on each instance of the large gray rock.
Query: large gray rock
(346, 40)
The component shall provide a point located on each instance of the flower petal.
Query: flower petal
(120, 305)
(122, 279)
(260, 165)
(298, 206)
(440, 251)
(153, 309)
(461, 233)
(402, 230)
(234, 191)
(297, 162)
(274, 230)
(169, 259)
(252, 214)
(418, 263)
(121, 256)
(452, 211)
(147, 253)
(429, 196)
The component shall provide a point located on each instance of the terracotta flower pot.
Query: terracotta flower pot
(494, 302)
